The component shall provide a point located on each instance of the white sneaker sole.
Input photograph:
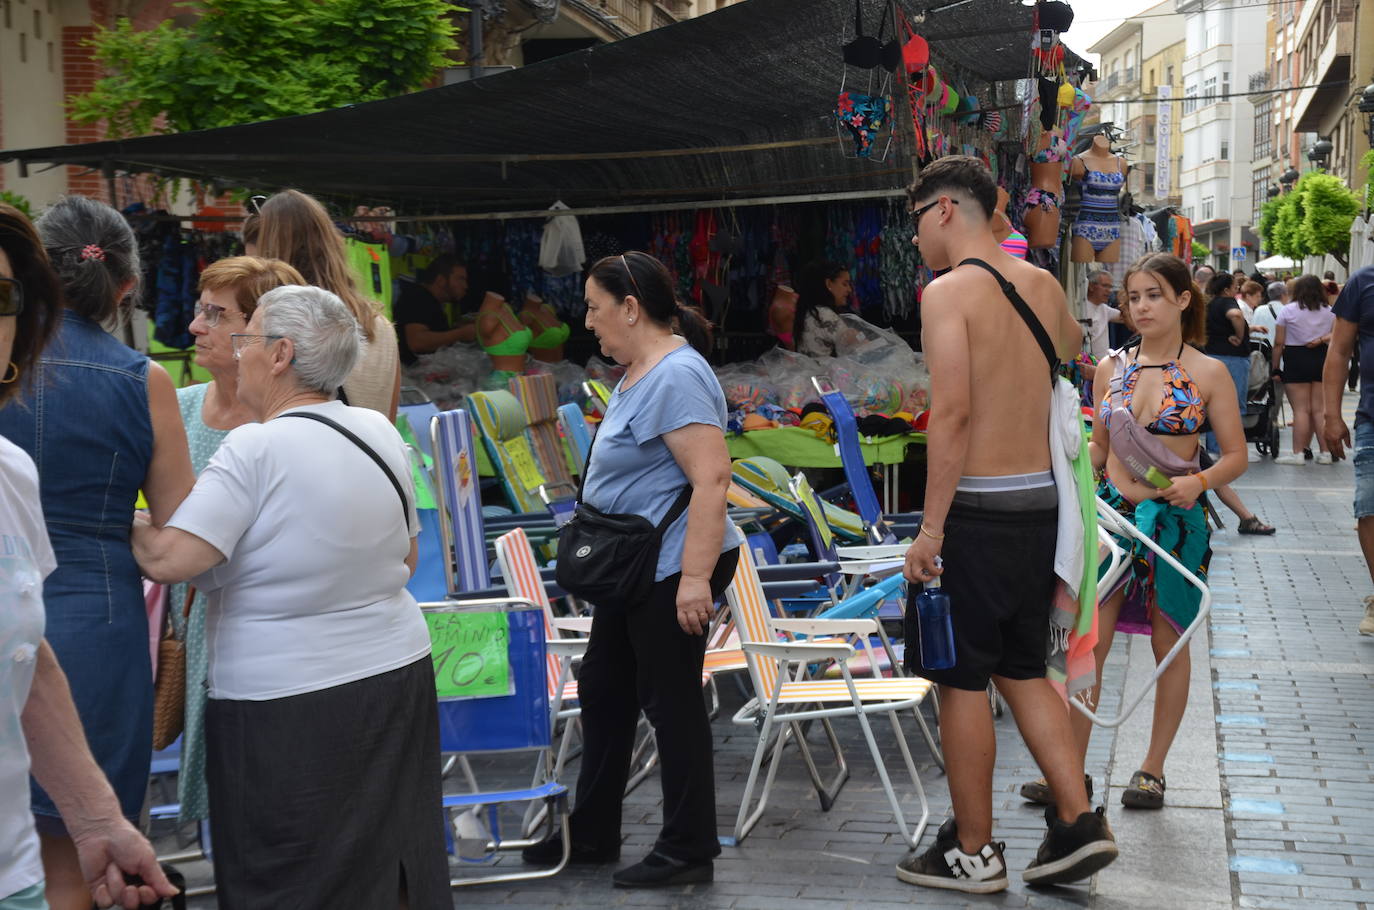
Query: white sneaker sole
(968, 886)
(1078, 865)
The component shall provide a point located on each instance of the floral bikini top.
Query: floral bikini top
(1182, 411)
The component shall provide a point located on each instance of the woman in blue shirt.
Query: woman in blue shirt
(663, 430)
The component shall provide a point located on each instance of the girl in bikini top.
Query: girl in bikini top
(1182, 411)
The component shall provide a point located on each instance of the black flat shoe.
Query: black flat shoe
(658, 871)
(546, 853)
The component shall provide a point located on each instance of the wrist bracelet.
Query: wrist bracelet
(931, 534)
(1203, 479)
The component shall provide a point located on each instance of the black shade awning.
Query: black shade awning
(747, 91)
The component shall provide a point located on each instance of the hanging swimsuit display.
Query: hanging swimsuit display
(508, 354)
(1097, 229)
(864, 116)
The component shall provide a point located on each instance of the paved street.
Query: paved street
(1270, 803)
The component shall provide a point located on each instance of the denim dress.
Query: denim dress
(84, 420)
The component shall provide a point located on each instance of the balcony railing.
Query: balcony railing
(1129, 76)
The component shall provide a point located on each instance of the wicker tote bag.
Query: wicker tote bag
(169, 687)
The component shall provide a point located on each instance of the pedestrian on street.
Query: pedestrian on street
(1100, 315)
(40, 731)
(1228, 340)
(322, 730)
(1354, 312)
(661, 442)
(1301, 335)
(993, 330)
(1152, 403)
(101, 422)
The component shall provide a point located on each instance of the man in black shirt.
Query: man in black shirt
(422, 326)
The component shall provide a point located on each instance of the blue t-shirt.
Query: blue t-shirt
(1356, 304)
(632, 470)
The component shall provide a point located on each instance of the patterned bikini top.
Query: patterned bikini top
(1182, 411)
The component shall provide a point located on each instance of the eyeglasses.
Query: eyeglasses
(211, 313)
(917, 213)
(239, 341)
(11, 297)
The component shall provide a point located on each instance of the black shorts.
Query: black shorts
(1303, 364)
(999, 575)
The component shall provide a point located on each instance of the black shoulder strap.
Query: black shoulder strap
(1024, 311)
(396, 484)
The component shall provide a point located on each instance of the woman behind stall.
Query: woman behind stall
(296, 229)
(321, 730)
(663, 432)
(823, 291)
(1152, 400)
(1301, 335)
(101, 422)
(229, 292)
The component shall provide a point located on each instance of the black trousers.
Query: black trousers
(642, 660)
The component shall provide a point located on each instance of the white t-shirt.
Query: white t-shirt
(26, 558)
(1101, 316)
(1267, 316)
(312, 591)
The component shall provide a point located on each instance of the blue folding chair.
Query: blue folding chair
(460, 501)
(515, 719)
(878, 528)
(576, 431)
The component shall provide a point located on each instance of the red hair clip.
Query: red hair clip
(92, 251)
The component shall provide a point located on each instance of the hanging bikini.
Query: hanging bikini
(865, 115)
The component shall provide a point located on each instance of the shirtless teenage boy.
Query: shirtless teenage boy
(991, 516)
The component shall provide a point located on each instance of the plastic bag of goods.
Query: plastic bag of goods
(746, 387)
(789, 374)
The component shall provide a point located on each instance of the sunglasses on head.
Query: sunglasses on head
(11, 297)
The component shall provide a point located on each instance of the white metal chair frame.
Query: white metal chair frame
(785, 697)
(1113, 521)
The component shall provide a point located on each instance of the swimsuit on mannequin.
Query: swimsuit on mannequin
(1041, 214)
(1097, 232)
(550, 332)
(504, 338)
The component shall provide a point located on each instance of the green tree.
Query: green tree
(248, 60)
(1311, 219)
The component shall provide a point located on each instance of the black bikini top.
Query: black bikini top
(866, 51)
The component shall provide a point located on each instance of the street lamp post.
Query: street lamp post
(1367, 107)
(1289, 178)
(1320, 152)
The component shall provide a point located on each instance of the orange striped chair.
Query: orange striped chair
(785, 698)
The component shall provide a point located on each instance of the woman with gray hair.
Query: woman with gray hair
(321, 729)
(101, 422)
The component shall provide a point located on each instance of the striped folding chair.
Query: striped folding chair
(538, 395)
(785, 697)
(460, 501)
(576, 432)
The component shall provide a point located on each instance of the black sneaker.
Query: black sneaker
(548, 852)
(1038, 791)
(946, 865)
(1073, 852)
(658, 870)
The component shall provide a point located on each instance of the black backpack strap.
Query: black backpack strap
(1024, 311)
(352, 437)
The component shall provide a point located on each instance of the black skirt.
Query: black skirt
(329, 799)
(1303, 364)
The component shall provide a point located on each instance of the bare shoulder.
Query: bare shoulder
(1207, 372)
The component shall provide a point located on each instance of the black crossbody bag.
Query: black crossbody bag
(609, 560)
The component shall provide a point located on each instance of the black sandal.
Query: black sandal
(1145, 791)
(1253, 525)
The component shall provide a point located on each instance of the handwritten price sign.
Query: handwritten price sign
(471, 656)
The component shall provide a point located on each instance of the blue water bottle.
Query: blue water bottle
(934, 629)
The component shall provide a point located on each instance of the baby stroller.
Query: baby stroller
(1261, 420)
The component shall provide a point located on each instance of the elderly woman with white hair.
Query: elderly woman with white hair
(322, 726)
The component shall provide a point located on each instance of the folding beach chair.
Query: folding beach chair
(767, 479)
(418, 416)
(789, 698)
(492, 699)
(1119, 562)
(460, 501)
(576, 432)
(501, 422)
(879, 529)
(538, 395)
